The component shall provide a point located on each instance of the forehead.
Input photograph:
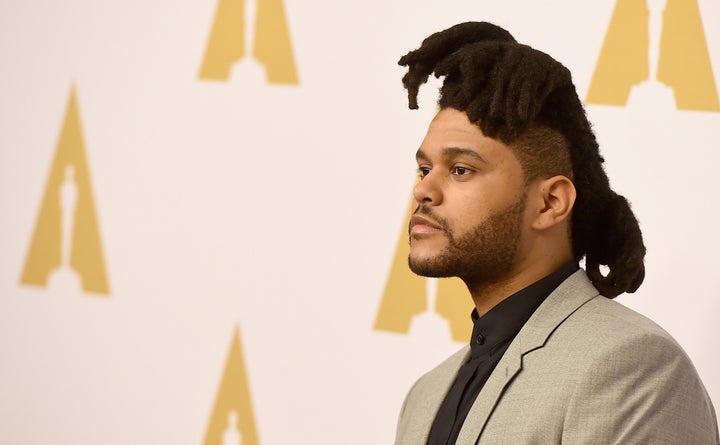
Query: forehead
(451, 128)
(456, 119)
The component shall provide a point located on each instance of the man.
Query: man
(512, 195)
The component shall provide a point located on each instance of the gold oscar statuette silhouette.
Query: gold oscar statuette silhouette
(64, 278)
(250, 44)
(652, 92)
(248, 70)
(231, 435)
(429, 325)
(655, 56)
(65, 251)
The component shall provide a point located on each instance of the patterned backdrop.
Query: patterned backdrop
(204, 206)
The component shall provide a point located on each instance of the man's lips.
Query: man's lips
(420, 224)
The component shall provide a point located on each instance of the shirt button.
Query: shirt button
(480, 339)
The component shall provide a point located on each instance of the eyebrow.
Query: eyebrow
(450, 152)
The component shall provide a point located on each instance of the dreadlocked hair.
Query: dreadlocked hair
(527, 100)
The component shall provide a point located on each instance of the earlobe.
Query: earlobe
(558, 198)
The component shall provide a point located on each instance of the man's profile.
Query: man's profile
(512, 196)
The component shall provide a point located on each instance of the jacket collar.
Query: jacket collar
(560, 304)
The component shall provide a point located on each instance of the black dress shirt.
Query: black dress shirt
(491, 336)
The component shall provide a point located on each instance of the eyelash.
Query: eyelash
(423, 171)
(465, 169)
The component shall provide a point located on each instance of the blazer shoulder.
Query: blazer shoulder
(577, 307)
(615, 322)
(615, 375)
(633, 378)
(441, 376)
(424, 399)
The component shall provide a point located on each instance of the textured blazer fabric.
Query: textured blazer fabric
(583, 370)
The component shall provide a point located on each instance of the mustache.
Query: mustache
(437, 219)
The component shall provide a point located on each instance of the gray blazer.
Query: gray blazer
(583, 370)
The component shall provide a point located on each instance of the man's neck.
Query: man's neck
(486, 295)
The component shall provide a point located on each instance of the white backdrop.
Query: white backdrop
(273, 211)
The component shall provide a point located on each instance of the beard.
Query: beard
(485, 254)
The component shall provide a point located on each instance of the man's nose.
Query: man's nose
(427, 190)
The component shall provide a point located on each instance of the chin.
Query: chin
(415, 259)
(427, 250)
(427, 266)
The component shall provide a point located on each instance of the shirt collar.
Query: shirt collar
(506, 319)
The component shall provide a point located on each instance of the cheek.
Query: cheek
(471, 212)
(476, 209)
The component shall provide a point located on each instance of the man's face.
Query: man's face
(471, 203)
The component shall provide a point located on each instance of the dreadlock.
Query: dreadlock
(527, 100)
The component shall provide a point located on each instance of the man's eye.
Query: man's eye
(423, 171)
(460, 171)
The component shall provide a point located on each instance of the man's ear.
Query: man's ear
(555, 198)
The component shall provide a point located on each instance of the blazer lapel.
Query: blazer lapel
(506, 369)
(575, 291)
